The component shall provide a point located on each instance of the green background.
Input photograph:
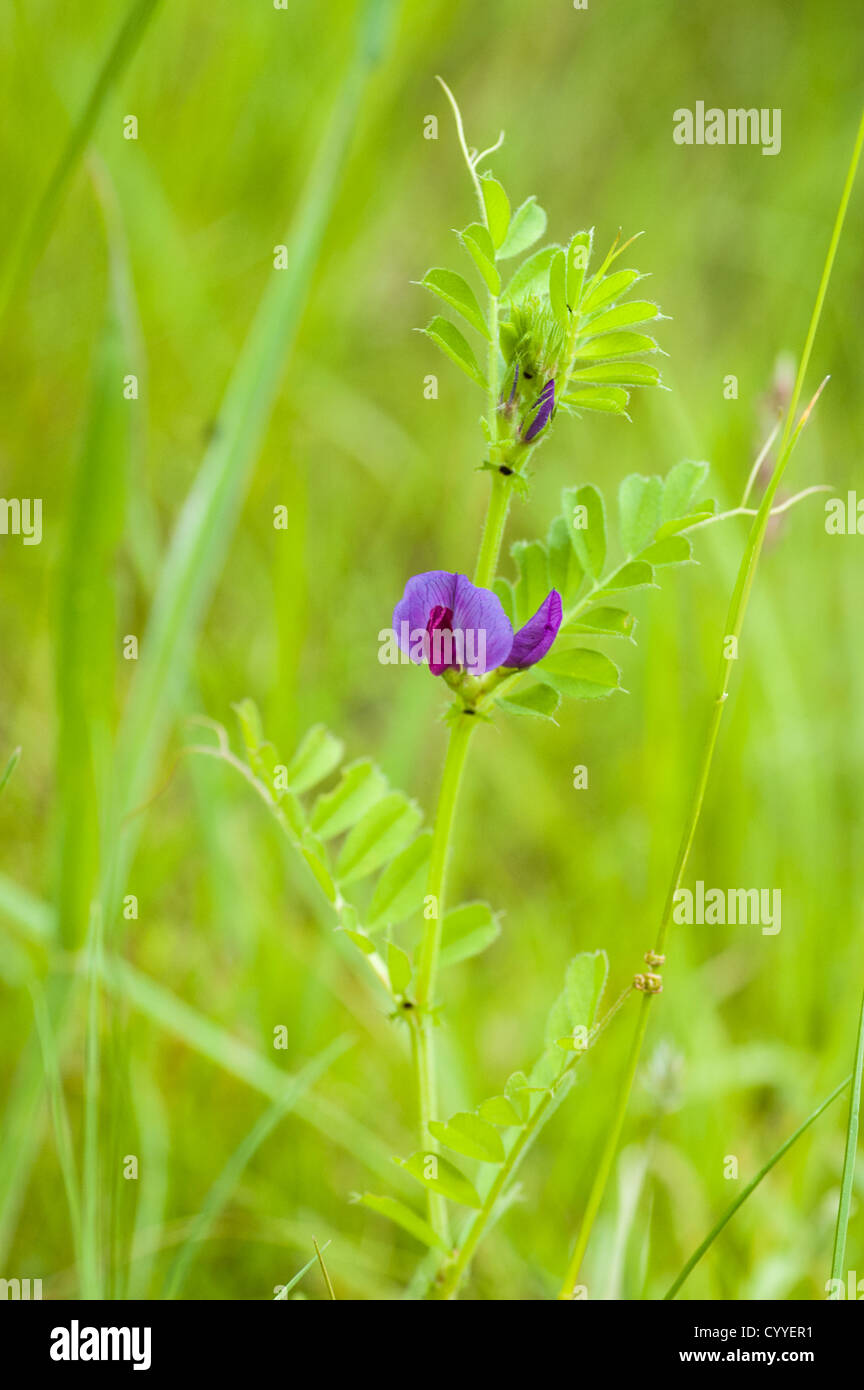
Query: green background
(751, 1031)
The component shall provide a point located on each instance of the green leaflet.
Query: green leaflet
(536, 701)
(362, 785)
(527, 225)
(498, 1110)
(531, 274)
(581, 673)
(610, 288)
(611, 400)
(532, 586)
(470, 1135)
(403, 1216)
(456, 292)
(318, 754)
(467, 931)
(588, 522)
(604, 622)
(565, 570)
(673, 550)
(680, 488)
(399, 890)
(576, 1006)
(478, 244)
(439, 1175)
(640, 501)
(377, 836)
(616, 345)
(447, 337)
(398, 969)
(497, 207)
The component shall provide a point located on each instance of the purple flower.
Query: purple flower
(543, 408)
(533, 641)
(446, 622)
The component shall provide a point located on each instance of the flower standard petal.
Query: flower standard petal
(487, 633)
(423, 593)
(533, 641)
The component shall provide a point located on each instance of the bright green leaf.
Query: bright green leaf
(581, 673)
(498, 1110)
(377, 836)
(532, 586)
(458, 294)
(478, 244)
(527, 226)
(587, 518)
(565, 570)
(399, 890)
(635, 575)
(674, 550)
(576, 1006)
(618, 374)
(316, 757)
(616, 345)
(622, 316)
(497, 206)
(403, 1216)
(609, 288)
(362, 785)
(469, 1135)
(605, 622)
(398, 968)
(610, 400)
(681, 485)
(532, 274)
(440, 1175)
(538, 701)
(466, 931)
(640, 501)
(447, 337)
(558, 289)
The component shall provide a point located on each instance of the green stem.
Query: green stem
(430, 946)
(843, 1207)
(604, 1168)
(734, 625)
(493, 531)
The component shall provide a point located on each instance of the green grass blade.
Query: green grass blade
(38, 226)
(847, 1183)
(91, 1244)
(751, 1187)
(86, 646)
(60, 1115)
(153, 1144)
(9, 768)
(210, 513)
(284, 1292)
(220, 1193)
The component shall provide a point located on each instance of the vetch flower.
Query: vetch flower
(449, 624)
(446, 622)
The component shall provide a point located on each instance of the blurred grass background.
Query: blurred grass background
(751, 1030)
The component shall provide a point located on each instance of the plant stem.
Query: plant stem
(734, 625)
(493, 531)
(839, 1256)
(430, 946)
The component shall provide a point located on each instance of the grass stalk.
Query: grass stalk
(734, 624)
(730, 1211)
(844, 1205)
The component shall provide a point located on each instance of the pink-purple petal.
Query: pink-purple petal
(533, 641)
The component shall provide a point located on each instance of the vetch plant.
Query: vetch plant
(557, 336)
